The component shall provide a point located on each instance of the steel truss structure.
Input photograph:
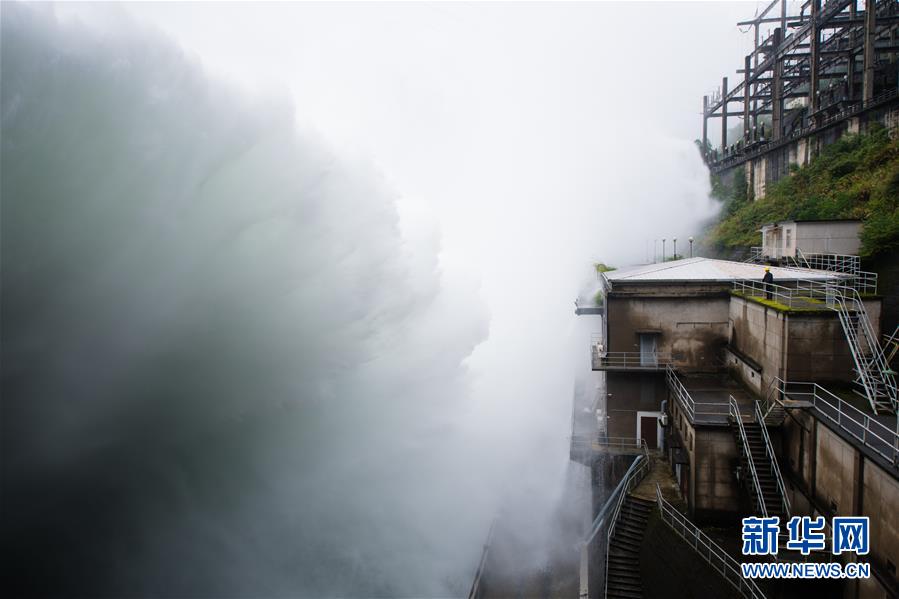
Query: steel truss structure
(831, 61)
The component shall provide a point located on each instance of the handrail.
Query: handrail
(872, 434)
(475, 592)
(606, 517)
(772, 461)
(626, 359)
(618, 442)
(881, 380)
(735, 414)
(632, 482)
(680, 393)
(715, 412)
(716, 557)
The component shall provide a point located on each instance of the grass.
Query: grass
(855, 177)
(781, 307)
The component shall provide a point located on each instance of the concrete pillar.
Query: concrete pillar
(870, 27)
(723, 113)
(747, 130)
(814, 53)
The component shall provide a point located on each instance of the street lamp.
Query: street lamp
(663, 249)
(674, 241)
(691, 247)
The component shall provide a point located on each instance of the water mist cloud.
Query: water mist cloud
(224, 371)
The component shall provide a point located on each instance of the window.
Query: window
(788, 238)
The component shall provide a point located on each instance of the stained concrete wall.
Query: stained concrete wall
(840, 480)
(817, 349)
(694, 330)
(836, 473)
(880, 502)
(629, 393)
(795, 346)
(759, 332)
(715, 493)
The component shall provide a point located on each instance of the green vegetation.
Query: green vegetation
(855, 177)
(815, 306)
(598, 299)
(601, 267)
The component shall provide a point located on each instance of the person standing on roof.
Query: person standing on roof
(768, 280)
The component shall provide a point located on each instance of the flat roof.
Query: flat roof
(712, 270)
(814, 220)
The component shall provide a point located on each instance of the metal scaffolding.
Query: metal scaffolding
(831, 61)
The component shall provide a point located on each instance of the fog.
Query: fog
(287, 290)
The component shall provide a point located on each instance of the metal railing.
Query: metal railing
(755, 255)
(873, 371)
(868, 431)
(703, 412)
(712, 553)
(845, 263)
(629, 483)
(747, 452)
(476, 591)
(789, 296)
(874, 375)
(629, 360)
(593, 553)
(596, 443)
(772, 461)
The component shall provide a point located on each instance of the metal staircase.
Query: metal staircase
(623, 577)
(748, 450)
(759, 461)
(873, 374)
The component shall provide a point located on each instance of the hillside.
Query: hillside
(856, 177)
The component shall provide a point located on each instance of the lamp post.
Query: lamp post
(663, 249)
(691, 247)
(674, 241)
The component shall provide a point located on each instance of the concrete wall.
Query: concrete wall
(841, 481)
(798, 346)
(759, 332)
(715, 493)
(694, 330)
(629, 393)
(880, 502)
(817, 349)
(837, 473)
(836, 237)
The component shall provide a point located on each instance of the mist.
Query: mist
(287, 291)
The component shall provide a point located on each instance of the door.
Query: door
(649, 432)
(648, 350)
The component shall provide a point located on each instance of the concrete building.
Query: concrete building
(701, 360)
(790, 238)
